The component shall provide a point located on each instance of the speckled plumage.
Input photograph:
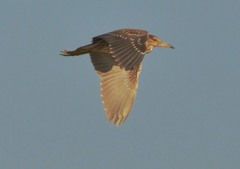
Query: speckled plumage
(117, 58)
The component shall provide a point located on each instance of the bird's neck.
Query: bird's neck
(149, 49)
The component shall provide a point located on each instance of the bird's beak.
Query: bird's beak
(164, 45)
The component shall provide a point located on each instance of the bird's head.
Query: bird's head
(156, 42)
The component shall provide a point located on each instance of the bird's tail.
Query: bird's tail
(79, 51)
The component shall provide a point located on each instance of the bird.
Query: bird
(117, 58)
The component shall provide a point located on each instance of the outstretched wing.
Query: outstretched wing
(127, 46)
(118, 86)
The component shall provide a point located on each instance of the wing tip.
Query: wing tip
(116, 119)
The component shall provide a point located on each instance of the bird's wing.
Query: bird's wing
(118, 87)
(127, 47)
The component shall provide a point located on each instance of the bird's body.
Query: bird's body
(117, 58)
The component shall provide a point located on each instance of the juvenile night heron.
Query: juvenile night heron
(117, 57)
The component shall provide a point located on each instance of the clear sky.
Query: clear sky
(187, 111)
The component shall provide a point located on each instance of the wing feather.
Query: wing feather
(118, 87)
(127, 46)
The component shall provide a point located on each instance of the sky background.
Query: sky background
(187, 111)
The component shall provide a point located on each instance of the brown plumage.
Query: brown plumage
(117, 58)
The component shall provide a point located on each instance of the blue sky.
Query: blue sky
(187, 109)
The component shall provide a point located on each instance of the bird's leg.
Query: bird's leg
(79, 51)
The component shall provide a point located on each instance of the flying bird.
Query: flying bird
(116, 57)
